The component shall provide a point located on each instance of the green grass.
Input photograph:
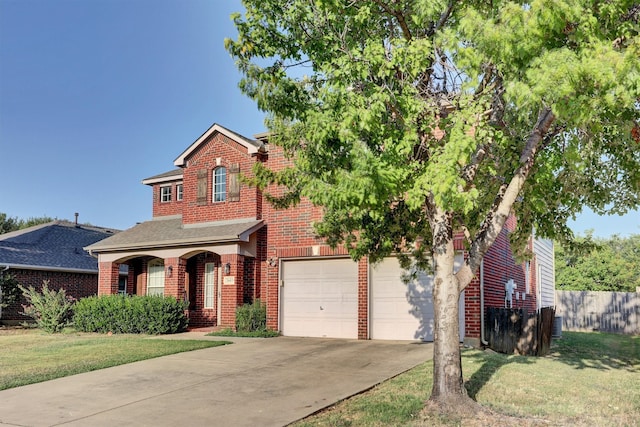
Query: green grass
(228, 332)
(588, 379)
(31, 356)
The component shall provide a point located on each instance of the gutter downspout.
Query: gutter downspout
(482, 340)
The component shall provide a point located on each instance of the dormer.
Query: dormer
(168, 192)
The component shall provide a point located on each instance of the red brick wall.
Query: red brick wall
(200, 316)
(289, 234)
(76, 285)
(109, 276)
(363, 299)
(174, 207)
(499, 266)
(229, 152)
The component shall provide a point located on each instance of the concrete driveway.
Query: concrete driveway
(253, 382)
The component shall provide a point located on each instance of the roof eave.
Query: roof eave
(164, 244)
(251, 148)
(47, 268)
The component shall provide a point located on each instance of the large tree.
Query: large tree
(411, 120)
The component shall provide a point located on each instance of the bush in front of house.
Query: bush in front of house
(52, 310)
(130, 314)
(251, 317)
(9, 290)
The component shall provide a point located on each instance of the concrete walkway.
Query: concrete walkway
(253, 382)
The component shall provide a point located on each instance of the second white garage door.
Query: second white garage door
(319, 298)
(401, 311)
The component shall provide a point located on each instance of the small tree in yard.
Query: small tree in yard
(52, 310)
(9, 290)
(411, 120)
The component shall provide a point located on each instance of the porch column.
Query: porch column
(232, 288)
(175, 277)
(108, 276)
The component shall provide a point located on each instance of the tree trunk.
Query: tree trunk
(447, 369)
(448, 393)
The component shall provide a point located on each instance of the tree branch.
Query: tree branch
(506, 197)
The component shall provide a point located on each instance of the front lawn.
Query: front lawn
(31, 356)
(588, 379)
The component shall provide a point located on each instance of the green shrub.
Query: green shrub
(9, 290)
(251, 317)
(52, 310)
(130, 314)
(228, 332)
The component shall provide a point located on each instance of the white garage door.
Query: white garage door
(319, 298)
(403, 311)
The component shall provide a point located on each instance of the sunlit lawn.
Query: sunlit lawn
(30, 356)
(589, 379)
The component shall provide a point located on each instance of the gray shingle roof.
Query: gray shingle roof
(170, 232)
(55, 245)
(175, 174)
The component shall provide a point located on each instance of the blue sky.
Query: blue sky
(97, 95)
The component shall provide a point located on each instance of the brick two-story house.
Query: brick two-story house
(216, 242)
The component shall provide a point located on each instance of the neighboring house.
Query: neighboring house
(53, 252)
(215, 242)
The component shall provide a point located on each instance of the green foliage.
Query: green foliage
(611, 264)
(8, 224)
(52, 310)
(130, 314)
(9, 290)
(251, 317)
(393, 111)
(228, 332)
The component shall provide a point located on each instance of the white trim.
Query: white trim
(181, 160)
(47, 268)
(158, 265)
(169, 178)
(165, 193)
(179, 194)
(211, 295)
(219, 186)
(217, 223)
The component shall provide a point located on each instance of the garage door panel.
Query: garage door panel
(400, 310)
(319, 298)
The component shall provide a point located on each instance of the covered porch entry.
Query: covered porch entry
(213, 277)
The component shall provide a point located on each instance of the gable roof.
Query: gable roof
(170, 232)
(54, 246)
(172, 175)
(251, 145)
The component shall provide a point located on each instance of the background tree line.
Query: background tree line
(598, 264)
(8, 224)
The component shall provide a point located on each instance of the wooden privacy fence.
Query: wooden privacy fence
(516, 331)
(616, 312)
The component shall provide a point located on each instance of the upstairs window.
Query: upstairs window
(165, 194)
(220, 184)
(179, 191)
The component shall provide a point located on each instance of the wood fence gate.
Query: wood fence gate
(516, 331)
